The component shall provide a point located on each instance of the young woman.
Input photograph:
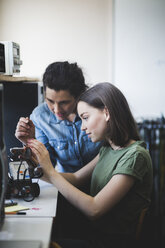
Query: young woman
(120, 176)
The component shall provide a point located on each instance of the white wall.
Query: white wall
(56, 30)
(81, 30)
(139, 54)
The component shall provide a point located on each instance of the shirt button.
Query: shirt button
(58, 147)
(75, 142)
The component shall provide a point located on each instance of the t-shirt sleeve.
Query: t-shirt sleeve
(135, 165)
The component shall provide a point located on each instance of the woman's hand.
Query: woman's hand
(41, 154)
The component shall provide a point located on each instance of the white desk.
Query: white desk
(27, 229)
(37, 223)
(42, 206)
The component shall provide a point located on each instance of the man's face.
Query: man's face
(61, 103)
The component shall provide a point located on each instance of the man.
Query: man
(55, 123)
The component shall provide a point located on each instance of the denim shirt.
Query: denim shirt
(68, 146)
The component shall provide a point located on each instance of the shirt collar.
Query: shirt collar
(69, 123)
(53, 118)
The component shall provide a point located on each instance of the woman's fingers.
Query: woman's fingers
(39, 150)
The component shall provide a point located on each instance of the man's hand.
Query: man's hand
(25, 129)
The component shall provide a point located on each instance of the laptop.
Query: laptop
(20, 244)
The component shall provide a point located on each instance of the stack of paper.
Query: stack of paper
(14, 209)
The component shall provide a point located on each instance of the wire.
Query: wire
(18, 171)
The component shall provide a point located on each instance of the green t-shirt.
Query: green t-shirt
(135, 161)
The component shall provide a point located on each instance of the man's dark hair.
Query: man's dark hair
(65, 76)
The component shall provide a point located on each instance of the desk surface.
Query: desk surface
(37, 223)
(44, 205)
(27, 229)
